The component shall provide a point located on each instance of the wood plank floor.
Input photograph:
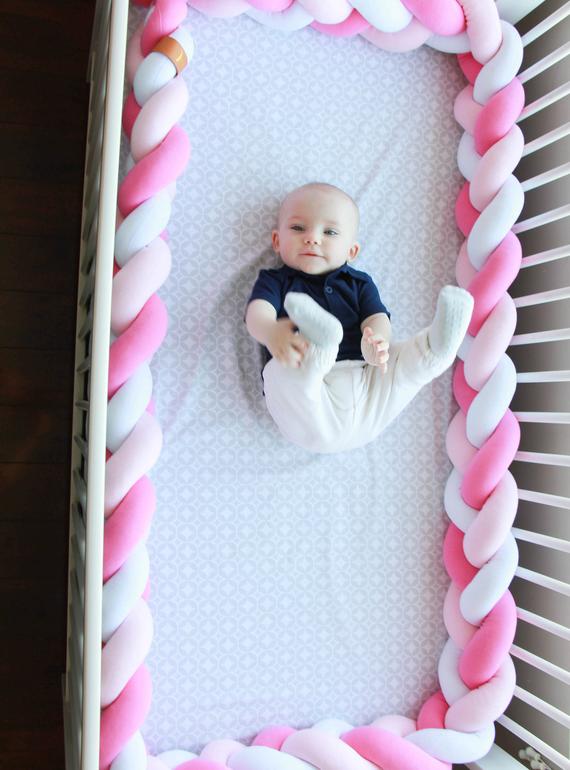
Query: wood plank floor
(43, 60)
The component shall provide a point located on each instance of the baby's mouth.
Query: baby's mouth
(310, 254)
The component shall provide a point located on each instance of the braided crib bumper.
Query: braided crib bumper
(475, 671)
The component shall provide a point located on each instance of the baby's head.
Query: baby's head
(317, 228)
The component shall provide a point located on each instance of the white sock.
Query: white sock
(451, 320)
(314, 322)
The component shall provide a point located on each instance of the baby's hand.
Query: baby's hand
(375, 349)
(286, 344)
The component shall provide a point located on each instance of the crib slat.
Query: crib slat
(544, 101)
(546, 256)
(556, 376)
(85, 328)
(543, 64)
(82, 444)
(546, 24)
(544, 748)
(554, 418)
(87, 289)
(543, 296)
(536, 338)
(546, 139)
(89, 256)
(544, 623)
(79, 525)
(543, 580)
(544, 458)
(541, 664)
(542, 219)
(84, 365)
(544, 498)
(546, 177)
(547, 708)
(77, 607)
(80, 490)
(94, 148)
(93, 171)
(79, 576)
(545, 540)
(78, 549)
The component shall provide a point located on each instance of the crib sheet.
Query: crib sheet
(287, 587)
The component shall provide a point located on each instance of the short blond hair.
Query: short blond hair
(325, 186)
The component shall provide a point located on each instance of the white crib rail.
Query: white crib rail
(82, 680)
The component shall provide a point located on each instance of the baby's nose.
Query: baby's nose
(311, 238)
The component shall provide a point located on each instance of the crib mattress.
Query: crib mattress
(287, 587)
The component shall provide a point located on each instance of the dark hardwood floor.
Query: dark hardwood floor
(43, 59)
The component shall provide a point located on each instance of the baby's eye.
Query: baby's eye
(297, 227)
(331, 232)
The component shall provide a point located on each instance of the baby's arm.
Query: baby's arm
(278, 335)
(376, 332)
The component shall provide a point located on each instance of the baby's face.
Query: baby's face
(316, 231)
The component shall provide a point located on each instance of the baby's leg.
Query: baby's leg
(416, 361)
(438, 343)
(324, 333)
(297, 398)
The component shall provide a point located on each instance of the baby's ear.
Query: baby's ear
(275, 241)
(353, 251)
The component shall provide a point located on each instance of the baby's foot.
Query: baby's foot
(451, 320)
(314, 322)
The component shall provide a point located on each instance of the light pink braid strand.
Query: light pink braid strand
(160, 150)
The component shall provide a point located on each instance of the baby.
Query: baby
(334, 382)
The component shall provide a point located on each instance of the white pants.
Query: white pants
(327, 406)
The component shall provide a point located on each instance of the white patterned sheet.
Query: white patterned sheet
(287, 587)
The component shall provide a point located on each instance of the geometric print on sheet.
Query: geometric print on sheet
(287, 587)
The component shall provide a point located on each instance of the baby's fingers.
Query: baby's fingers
(295, 357)
(382, 360)
(299, 343)
(288, 356)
